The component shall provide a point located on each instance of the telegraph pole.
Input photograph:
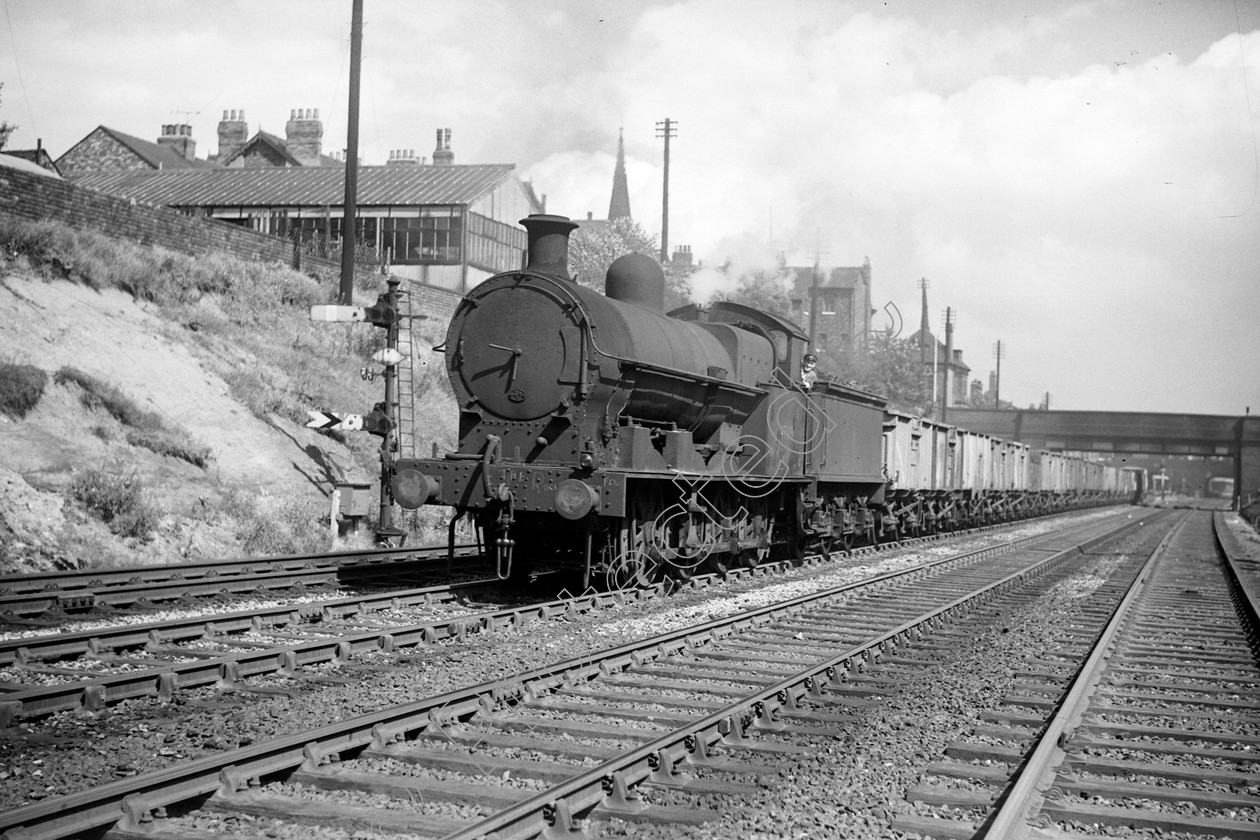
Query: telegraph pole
(925, 334)
(998, 351)
(667, 129)
(813, 298)
(346, 293)
(949, 357)
(813, 309)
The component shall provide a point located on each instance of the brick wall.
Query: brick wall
(36, 197)
(30, 196)
(436, 303)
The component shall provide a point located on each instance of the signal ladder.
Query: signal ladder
(405, 415)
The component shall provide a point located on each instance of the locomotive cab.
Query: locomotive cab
(787, 343)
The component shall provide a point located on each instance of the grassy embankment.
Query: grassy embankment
(248, 323)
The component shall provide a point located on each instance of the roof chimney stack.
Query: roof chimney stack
(442, 155)
(682, 258)
(233, 133)
(304, 136)
(403, 157)
(178, 138)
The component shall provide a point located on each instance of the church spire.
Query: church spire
(619, 206)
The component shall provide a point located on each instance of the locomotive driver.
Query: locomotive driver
(809, 371)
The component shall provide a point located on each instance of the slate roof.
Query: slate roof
(154, 154)
(306, 186)
(21, 162)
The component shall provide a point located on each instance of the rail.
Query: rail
(133, 802)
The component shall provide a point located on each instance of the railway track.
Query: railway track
(93, 668)
(1146, 719)
(689, 709)
(44, 599)
(38, 599)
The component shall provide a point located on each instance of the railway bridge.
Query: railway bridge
(1127, 432)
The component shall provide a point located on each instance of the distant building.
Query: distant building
(109, 150)
(681, 260)
(843, 300)
(38, 156)
(23, 164)
(440, 224)
(445, 225)
(950, 375)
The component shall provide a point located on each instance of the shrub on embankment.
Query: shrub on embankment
(21, 386)
(143, 428)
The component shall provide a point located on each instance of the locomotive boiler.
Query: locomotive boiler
(600, 433)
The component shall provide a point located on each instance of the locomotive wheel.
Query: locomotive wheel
(637, 563)
(753, 557)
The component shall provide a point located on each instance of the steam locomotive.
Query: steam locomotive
(602, 434)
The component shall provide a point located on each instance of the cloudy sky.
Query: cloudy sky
(1079, 180)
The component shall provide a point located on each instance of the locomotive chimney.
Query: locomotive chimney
(548, 243)
(637, 279)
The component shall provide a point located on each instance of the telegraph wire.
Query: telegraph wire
(17, 64)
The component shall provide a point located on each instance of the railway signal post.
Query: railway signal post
(381, 421)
